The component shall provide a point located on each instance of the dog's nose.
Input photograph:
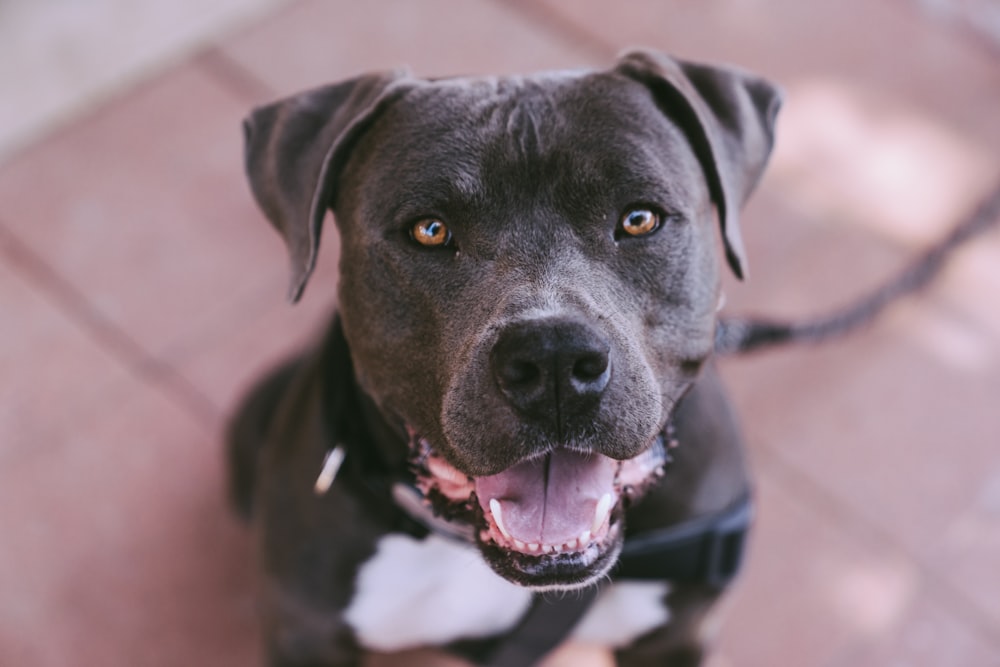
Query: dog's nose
(552, 368)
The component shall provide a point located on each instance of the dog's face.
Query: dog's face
(528, 283)
(573, 228)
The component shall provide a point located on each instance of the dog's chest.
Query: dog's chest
(434, 591)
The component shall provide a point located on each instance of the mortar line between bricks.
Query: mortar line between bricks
(73, 304)
(861, 526)
(957, 23)
(562, 26)
(231, 74)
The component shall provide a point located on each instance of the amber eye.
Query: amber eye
(639, 222)
(430, 232)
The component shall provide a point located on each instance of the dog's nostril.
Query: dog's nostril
(552, 369)
(590, 367)
(519, 373)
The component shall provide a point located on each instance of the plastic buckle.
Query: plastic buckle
(726, 545)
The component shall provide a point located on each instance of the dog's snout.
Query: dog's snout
(553, 368)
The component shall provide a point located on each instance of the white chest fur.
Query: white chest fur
(623, 612)
(434, 591)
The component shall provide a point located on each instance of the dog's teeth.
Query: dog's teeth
(549, 548)
(569, 546)
(601, 513)
(519, 545)
(497, 513)
(584, 538)
(533, 546)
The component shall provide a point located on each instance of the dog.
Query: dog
(512, 432)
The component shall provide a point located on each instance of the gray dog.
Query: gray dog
(516, 394)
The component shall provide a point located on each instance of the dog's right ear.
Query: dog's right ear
(294, 151)
(729, 117)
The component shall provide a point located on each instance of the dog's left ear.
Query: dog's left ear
(728, 116)
(294, 150)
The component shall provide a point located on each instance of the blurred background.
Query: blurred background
(141, 292)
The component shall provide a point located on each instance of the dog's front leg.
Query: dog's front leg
(310, 563)
(680, 642)
(300, 633)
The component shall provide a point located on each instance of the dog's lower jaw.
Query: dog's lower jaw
(566, 571)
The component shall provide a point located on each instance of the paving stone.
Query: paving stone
(316, 42)
(143, 208)
(118, 549)
(52, 370)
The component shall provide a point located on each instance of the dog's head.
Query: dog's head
(529, 275)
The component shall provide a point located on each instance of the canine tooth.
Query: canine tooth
(601, 513)
(497, 512)
(570, 545)
(519, 545)
(533, 546)
(584, 538)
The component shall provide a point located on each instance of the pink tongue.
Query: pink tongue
(551, 500)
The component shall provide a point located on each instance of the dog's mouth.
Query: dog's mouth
(552, 522)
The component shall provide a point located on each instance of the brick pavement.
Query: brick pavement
(141, 291)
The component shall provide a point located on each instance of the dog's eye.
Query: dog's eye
(430, 232)
(639, 222)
